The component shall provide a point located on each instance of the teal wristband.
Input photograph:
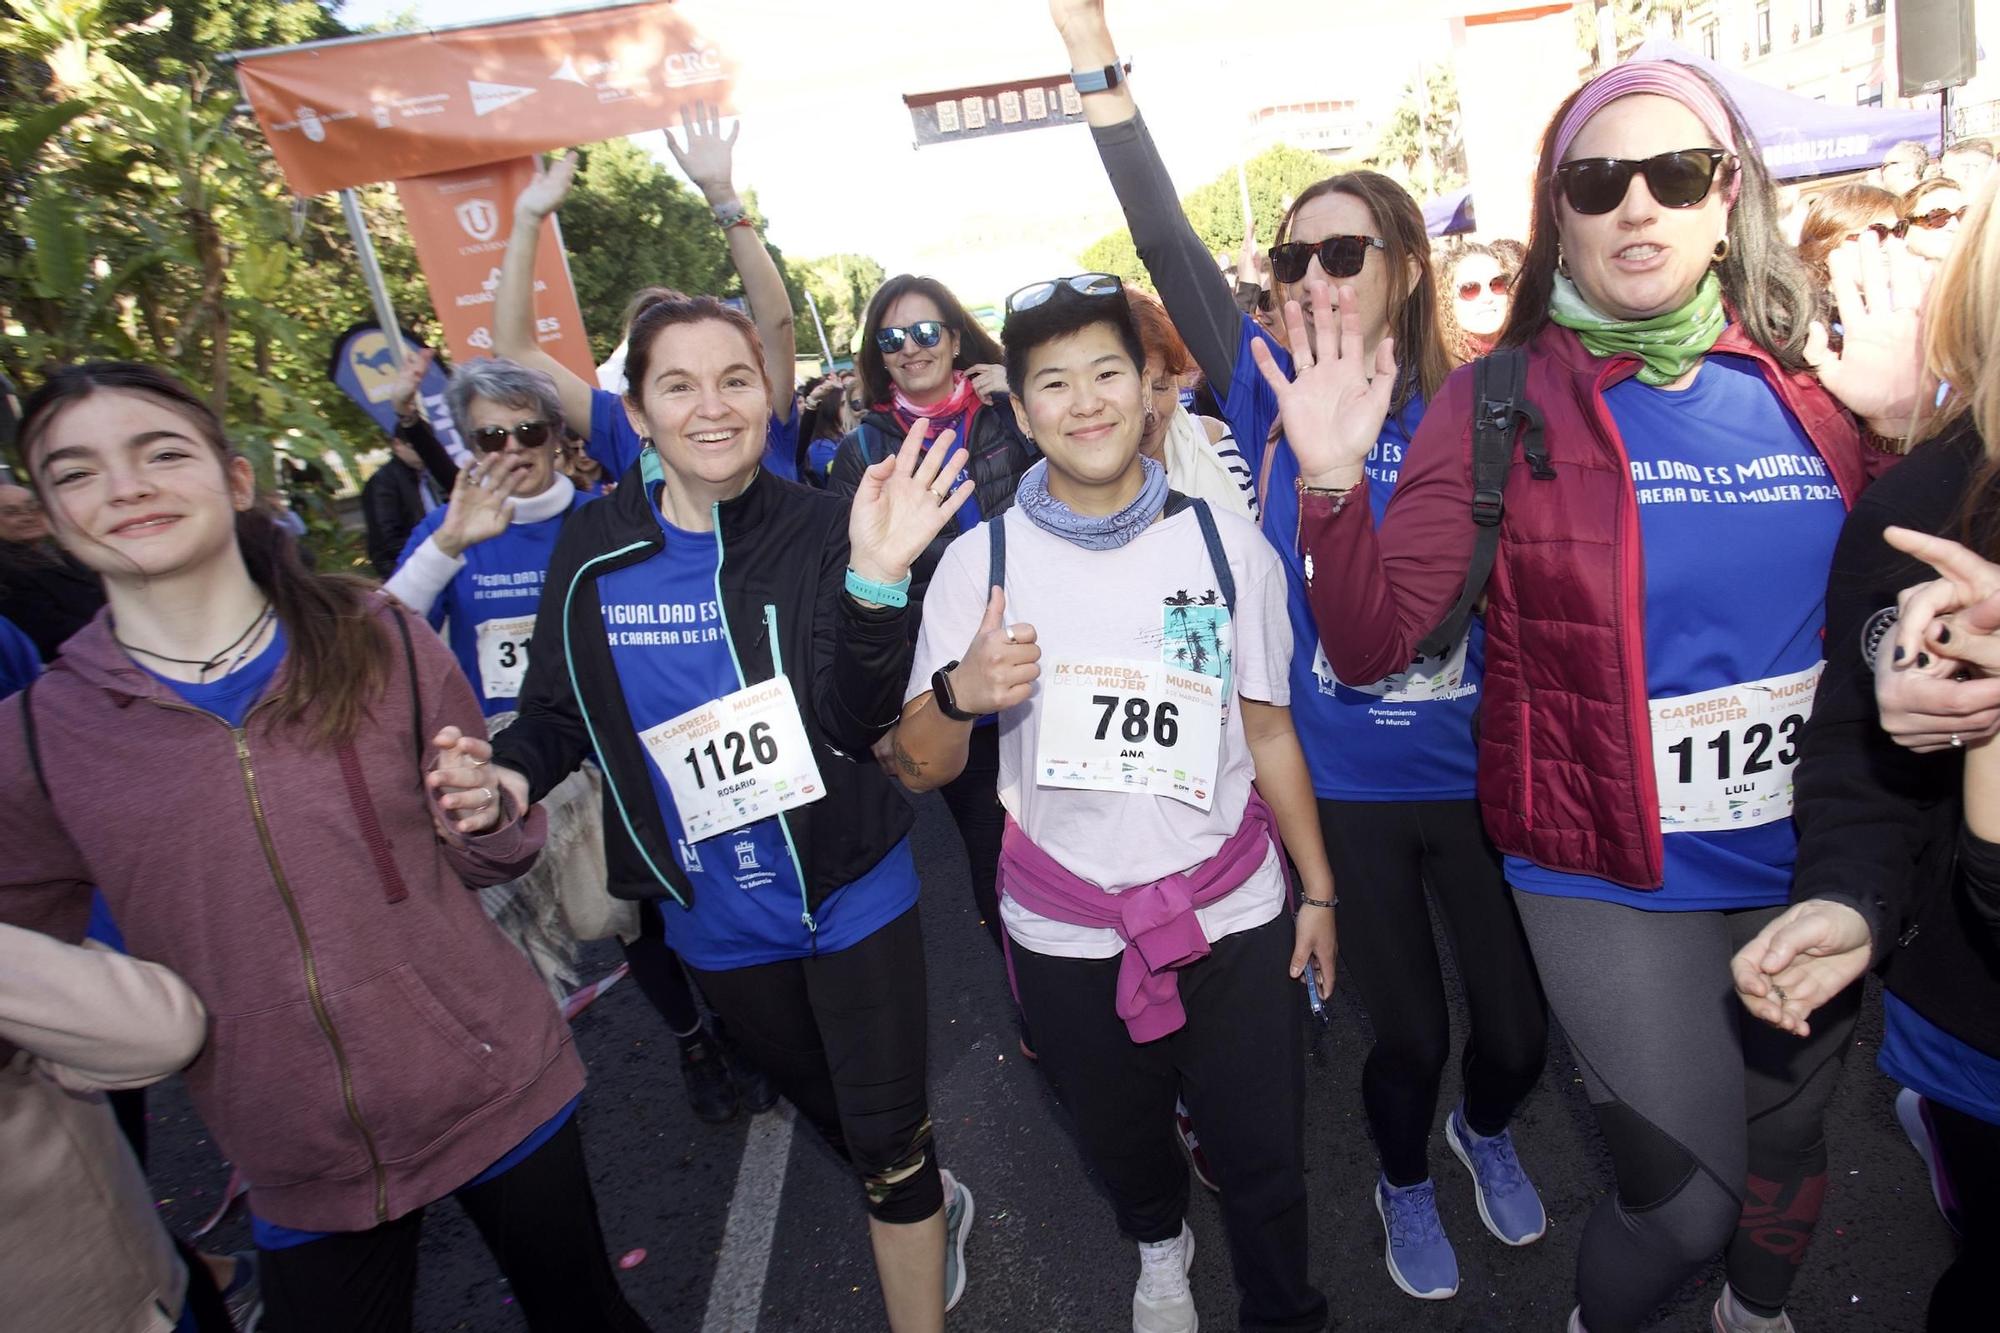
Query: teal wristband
(882, 594)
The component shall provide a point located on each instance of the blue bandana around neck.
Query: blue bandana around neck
(1093, 532)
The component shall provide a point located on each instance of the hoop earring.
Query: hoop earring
(1722, 250)
(1562, 261)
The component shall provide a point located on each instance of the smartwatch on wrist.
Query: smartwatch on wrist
(941, 691)
(1098, 80)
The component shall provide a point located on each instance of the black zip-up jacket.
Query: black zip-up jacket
(784, 563)
(999, 454)
(1879, 825)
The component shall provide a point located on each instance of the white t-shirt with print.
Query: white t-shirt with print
(1150, 599)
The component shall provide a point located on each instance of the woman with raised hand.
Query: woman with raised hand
(375, 1044)
(1391, 760)
(925, 359)
(729, 646)
(707, 157)
(1898, 864)
(1654, 618)
(1132, 646)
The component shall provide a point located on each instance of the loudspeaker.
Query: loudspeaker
(1934, 45)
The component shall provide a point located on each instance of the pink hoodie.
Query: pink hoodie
(375, 1042)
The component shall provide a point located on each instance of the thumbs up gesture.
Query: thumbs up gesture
(999, 670)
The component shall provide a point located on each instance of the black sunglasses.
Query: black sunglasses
(531, 434)
(1083, 284)
(1499, 284)
(1677, 180)
(924, 333)
(1340, 256)
(1884, 230)
(1938, 218)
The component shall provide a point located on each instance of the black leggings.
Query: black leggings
(539, 1220)
(1713, 1119)
(659, 973)
(1236, 1063)
(1384, 855)
(843, 1036)
(1969, 1153)
(973, 797)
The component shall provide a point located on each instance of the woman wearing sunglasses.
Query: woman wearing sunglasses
(921, 359)
(1931, 216)
(1654, 640)
(725, 644)
(1391, 762)
(1479, 285)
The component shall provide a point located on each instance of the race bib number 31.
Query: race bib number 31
(1129, 725)
(503, 655)
(736, 760)
(1724, 759)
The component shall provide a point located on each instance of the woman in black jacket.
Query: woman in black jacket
(729, 646)
(1898, 863)
(923, 358)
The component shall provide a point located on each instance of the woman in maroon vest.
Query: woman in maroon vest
(1653, 631)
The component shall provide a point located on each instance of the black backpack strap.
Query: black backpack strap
(1217, 556)
(29, 738)
(996, 566)
(873, 444)
(1500, 405)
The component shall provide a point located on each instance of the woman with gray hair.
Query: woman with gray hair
(475, 569)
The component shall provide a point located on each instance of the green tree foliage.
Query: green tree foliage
(1276, 177)
(842, 286)
(1421, 144)
(1632, 21)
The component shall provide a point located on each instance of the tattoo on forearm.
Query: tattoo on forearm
(912, 766)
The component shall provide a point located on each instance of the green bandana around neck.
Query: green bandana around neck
(1668, 344)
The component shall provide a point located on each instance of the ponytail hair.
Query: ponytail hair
(340, 656)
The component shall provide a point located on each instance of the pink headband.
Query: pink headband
(1663, 78)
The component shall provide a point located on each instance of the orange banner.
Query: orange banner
(459, 222)
(353, 112)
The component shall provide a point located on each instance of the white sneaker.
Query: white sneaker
(1162, 1302)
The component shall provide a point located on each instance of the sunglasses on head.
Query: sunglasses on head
(1676, 180)
(1340, 256)
(1083, 284)
(531, 434)
(1499, 284)
(924, 333)
(1938, 218)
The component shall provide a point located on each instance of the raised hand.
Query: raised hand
(1799, 961)
(403, 392)
(468, 785)
(1074, 18)
(708, 159)
(1000, 666)
(546, 192)
(1879, 289)
(988, 379)
(903, 502)
(1334, 405)
(482, 504)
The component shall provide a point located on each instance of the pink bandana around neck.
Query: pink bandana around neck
(1662, 78)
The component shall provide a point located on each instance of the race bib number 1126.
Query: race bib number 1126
(736, 760)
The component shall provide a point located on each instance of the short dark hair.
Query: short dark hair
(1067, 311)
(975, 345)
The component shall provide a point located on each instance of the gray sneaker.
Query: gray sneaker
(958, 1217)
(245, 1298)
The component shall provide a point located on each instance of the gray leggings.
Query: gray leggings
(1713, 1120)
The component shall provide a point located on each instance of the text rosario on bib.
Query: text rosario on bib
(735, 760)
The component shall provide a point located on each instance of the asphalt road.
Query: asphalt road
(1044, 1254)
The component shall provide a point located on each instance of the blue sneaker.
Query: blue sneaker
(1420, 1259)
(1508, 1204)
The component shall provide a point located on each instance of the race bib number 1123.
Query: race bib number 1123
(1724, 759)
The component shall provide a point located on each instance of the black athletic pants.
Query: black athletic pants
(1713, 1119)
(659, 973)
(973, 797)
(1970, 1152)
(539, 1220)
(1238, 1066)
(1384, 855)
(843, 1036)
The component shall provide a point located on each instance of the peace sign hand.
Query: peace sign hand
(1334, 405)
(903, 502)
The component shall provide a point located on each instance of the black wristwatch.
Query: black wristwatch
(941, 691)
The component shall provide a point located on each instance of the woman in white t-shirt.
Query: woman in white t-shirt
(1136, 648)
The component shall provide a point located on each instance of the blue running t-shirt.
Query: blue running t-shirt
(1406, 738)
(1738, 514)
(663, 618)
